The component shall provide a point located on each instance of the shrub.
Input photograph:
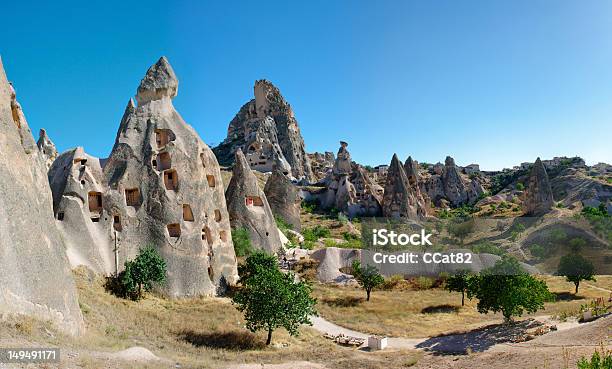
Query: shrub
(520, 186)
(242, 242)
(307, 245)
(310, 206)
(538, 251)
(424, 283)
(342, 218)
(488, 248)
(598, 360)
(315, 233)
(396, 281)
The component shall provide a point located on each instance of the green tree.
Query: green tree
(459, 282)
(367, 277)
(508, 289)
(271, 299)
(537, 250)
(142, 272)
(242, 242)
(576, 268)
(460, 228)
(576, 244)
(256, 262)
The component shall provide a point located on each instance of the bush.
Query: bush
(520, 186)
(307, 245)
(396, 281)
(310, 206)
(538, 251)
(424, 283)
(315, 233)
(487, 248)
(598, 360)
(342, 218)
(242, 242)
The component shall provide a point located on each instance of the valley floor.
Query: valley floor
(210, 333)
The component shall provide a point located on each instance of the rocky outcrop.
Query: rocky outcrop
(284, 198)
(400, 200)
(35, 277)
(161, 186)
(248, 207)
(412, 172)
(539, 197)
(447, 186)
(47, 148)
(266, 130)
(321, 164)
(349, 189)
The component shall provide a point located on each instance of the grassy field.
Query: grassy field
(425, 313)
(197, 333)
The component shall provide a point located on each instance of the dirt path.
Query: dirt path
(476, 340)
(597, 287)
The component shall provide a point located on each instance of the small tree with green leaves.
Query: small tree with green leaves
(577, 244)
(508, 289)
(271, 299)
(459, 282)
(576, 268)
(367, 277)
(142, 273)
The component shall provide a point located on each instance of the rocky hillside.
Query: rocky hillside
(266, 130)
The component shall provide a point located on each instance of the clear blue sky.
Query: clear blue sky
(492, 82)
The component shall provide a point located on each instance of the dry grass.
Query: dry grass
(412, 313)
(197, 333)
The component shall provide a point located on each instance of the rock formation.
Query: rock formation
(47, 148)
(539, 198)
(161, 186)
(284, 198)
(400, 200)
(447, 186)
(349, 189)
(248, 207)
(321, 164)
(266, 130)
(35, 277)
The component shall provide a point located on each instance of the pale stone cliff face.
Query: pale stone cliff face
(248, 207)
(284, 198)
(47, 148)
(35, 277)
(539, 198)
(266, 130)
(161, 186)
(400, 200)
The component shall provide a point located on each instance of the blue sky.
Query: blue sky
(492, 82)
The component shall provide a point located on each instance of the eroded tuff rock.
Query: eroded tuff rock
(35, 277)
(266, 130)
(47, 148)
(321, 164)
(400, 200)
(539, 197)
(248, 207)
(161, 186)
(446, 185)
(284, 198)
(348, 188)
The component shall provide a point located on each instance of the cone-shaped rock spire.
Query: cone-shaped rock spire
(284, 198)
(400, 200)
(539, 198)
(248, 207)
